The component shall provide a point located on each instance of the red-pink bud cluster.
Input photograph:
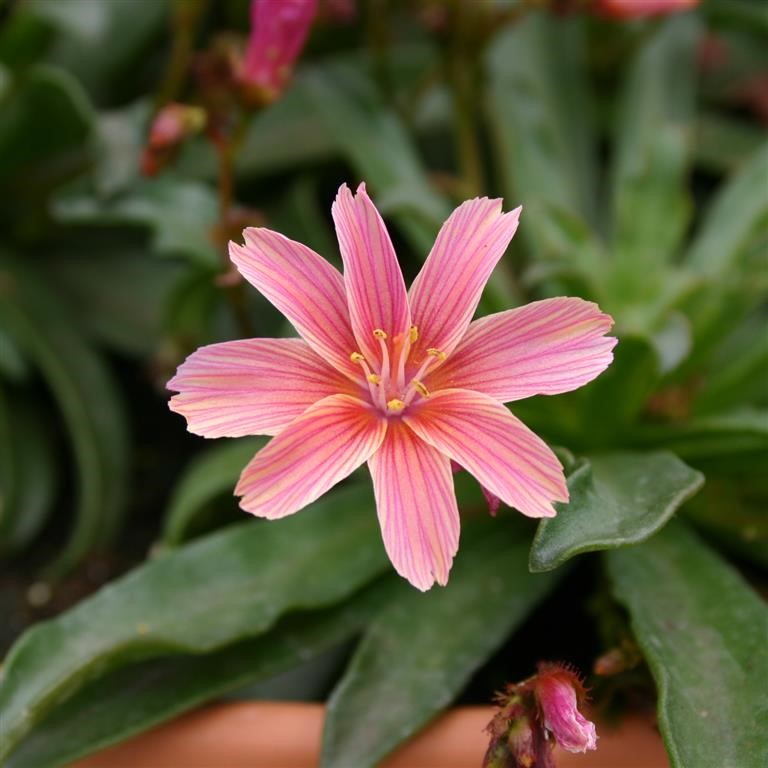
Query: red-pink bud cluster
(536, 714)
(632, 9)
(171, 125)
(278, 33)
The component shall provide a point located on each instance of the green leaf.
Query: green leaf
(742, 15)
(45, 126)
(212, 474)
(13, 365)
(120, 296)
(732, 514)
(724, 439)
(420, 650)
(286, 135)
(702, 630)
(180, 214)
(616, 499)
(223, 588)
(298, 214)
(715, 309)
(539, 107)
(138, 696)
(376, 143)
(100, 42)
(566, 246)
(723, 142)
(739, 373)
(87, 397)
(24, 39)
(28, 474)
(121, 135)
(654, 138)
(738, 213)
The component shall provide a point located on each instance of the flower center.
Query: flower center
(388, 387)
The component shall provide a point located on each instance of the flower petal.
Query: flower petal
(251, 387)
(304, 287)
(321, 447)
(445, 294)
(507, 458)
(543, 348)
(417, 507)
(374, 283)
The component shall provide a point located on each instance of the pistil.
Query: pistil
(405, 351)
(385, 367)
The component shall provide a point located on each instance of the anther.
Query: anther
(419, 387)
(395, 405)
(437, 353)
(413, 334)
(374, 378)
(379, 334)
(356, 357)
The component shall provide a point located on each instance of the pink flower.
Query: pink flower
(536, 714)
(630, 9)
(558, 692)
(279, 29)
(402, 380)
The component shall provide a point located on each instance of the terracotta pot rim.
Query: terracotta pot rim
(270, 734)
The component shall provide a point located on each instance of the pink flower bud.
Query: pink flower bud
(516, 741)
(630, 9)
(170, 126)
(558, 692)
(173, 123)
(278, 33)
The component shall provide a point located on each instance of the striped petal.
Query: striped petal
(445, 294)
(304, 287)
(543, 348)
(507, 458)
(416, 505)
(251, 387)
(374, 283)
(321, 447)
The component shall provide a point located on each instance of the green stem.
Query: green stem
(463, 76)
(186, 19)
(234, 292)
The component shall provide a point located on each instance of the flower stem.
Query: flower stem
(463, 76)
(232, 288)
(187, 15)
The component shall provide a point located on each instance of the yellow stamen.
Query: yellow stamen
(356, 357)
(395, 405)
(437, 353)
(379, 334)
(413, 334)
(419, 387)
(374, 378)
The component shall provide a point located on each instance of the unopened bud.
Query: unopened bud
(559, 691)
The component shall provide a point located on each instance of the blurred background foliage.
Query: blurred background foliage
(638, 151)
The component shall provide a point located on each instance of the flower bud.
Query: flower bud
(171, 125)
(278, 33)
(630, 9)
(558, 692)
(536, 714)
